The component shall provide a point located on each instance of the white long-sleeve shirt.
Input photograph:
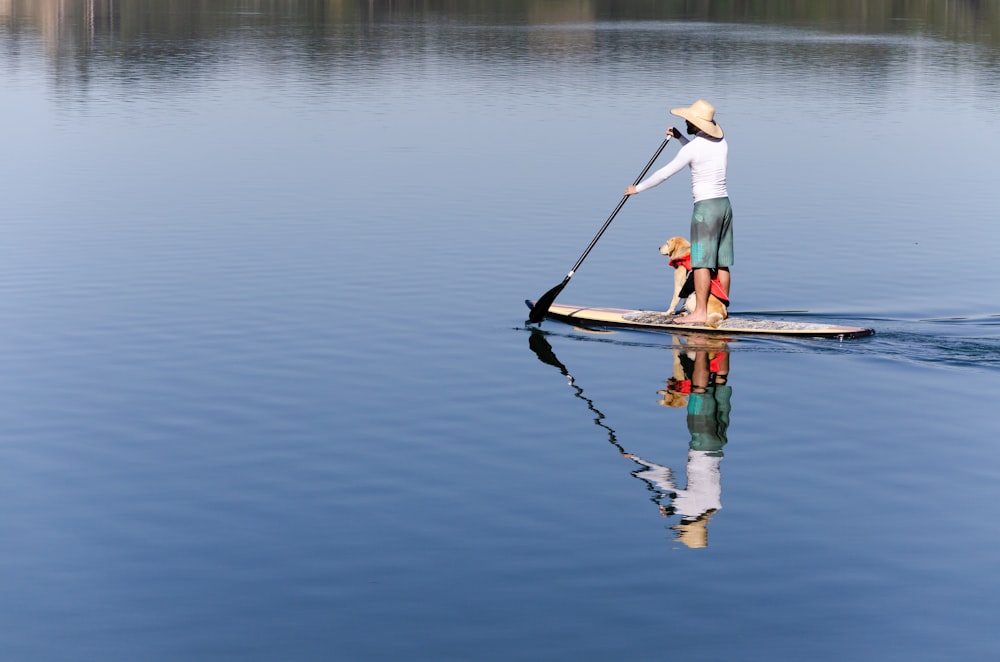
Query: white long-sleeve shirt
(704, 483)
(707, 159)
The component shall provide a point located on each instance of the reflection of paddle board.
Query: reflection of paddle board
(646, 320)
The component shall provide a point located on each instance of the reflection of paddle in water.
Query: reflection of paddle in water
(699, 382)
(543, 350)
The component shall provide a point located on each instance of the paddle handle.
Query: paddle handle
(617, 209)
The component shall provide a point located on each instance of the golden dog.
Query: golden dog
(678, 250)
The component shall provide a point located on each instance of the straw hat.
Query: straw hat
(702, 114)
(694, 533)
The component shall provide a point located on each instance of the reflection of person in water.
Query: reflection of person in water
(702, 377)
(699, 382)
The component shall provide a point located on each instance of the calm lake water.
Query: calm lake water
(267, 389)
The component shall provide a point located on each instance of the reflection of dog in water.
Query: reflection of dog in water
(678, 249)
(679, 384)
(675, 395)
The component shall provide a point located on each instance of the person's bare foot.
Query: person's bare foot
(690, 319)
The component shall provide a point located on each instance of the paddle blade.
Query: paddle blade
(544, 302)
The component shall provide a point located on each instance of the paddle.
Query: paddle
(537, 313)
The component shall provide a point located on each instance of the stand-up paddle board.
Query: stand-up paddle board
(647, 320)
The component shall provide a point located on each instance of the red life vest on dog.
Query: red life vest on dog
(683, 386)
(715, 287)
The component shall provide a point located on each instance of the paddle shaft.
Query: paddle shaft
(617, 209)
(545, 301)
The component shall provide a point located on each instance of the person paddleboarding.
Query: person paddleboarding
(707, 155)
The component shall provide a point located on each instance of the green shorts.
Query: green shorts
(708, 418)
(712, 234)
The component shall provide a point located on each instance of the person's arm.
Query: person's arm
(657, 474)
(663, 174)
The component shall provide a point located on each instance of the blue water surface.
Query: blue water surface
(268, 391)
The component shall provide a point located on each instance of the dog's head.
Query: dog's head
(675, 247)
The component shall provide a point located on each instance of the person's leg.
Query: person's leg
(725, 254)
(706, 229)
(702, 281)
(724, 279)
(700, 374)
